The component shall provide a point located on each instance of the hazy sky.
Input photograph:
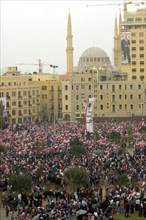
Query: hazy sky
(32, 30)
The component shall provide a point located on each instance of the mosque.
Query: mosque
(117, 94)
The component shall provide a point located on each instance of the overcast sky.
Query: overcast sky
(32, 30)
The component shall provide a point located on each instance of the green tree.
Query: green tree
(76, 177)
(43, 113)
(76, 142)
(143, 131)
(77, 150)
(20, 183)
(1, 114)
(114, 136)
(2, 148)
(123, 180)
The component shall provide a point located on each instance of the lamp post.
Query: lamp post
(54, 68)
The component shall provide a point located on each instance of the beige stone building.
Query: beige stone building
(50, 94)
(134, 24)
(22, 95)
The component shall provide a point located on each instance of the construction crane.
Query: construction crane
(124, 3)
(40, 64)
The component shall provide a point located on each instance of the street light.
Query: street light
(54, 68)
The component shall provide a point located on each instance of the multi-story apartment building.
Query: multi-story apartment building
(22, 95)
(133, 24)
(50, 94)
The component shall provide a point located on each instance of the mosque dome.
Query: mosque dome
(94, 52)
(92, 57)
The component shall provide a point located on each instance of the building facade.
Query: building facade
(21, 94)
(132, 25)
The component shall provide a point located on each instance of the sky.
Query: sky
(33, 30)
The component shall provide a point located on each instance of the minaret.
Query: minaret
(69, 49)
(116, 43)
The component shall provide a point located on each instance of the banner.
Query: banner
(125, 47)
(89, 105)
(3, 101)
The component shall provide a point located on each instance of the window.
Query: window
(139, 96)
(77, 87)
(13, 94)
(82, 87)
(120, 107)
(77, 107)
(14, 103)
(141, 55)
(125, 107)
(142, 77)
(20, 113)
(141, 41)
(66, 87)
(133, 48)
(113, 98)
(113, 108)
(77, 97)
(113, 88)
(101, 87)
(141, 48)
(141, 34)
(137, 20)
(101, 97)
(131, 106)
(131, 86)
(25, 111)
(141, 62)
(66, 107)
(141, 70)
(101, 107)
(125, 96)
(120, 86)
(134, 70)
(133, 77)
(133, 62)
(131, 96)
(13, 112)
(133, 55)
(89, 87)
(24, 93)
(120, 96)
(133, 41)
(139, 86)
(133, 34)
(66, 97)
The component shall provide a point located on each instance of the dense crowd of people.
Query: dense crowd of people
(30, 147)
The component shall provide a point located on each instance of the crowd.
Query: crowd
(30, 146)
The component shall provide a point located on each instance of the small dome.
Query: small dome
(94, 52)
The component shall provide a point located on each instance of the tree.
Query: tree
(77, 148)
(43, 113)
(2, 148)
(1, 114)
(114, 136)
(123, 180)
(20, 183)
(76, 177)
